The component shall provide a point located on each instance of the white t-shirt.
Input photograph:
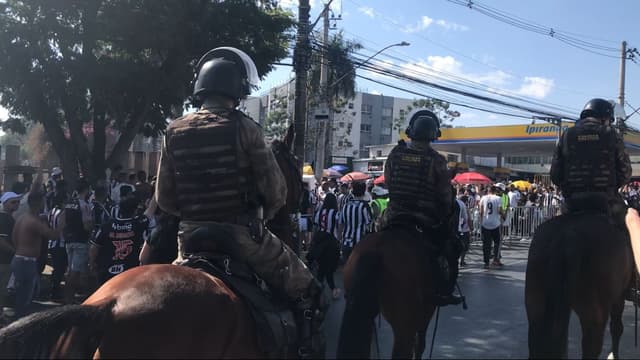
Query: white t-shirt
(490, 205)
(514, 198)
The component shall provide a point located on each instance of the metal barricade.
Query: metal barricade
(519, 223)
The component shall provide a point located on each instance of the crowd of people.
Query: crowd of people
(338, 215)
(87, 234)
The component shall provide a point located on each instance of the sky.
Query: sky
(453, 44)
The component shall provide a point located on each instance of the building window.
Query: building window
(387, 111)
(340, 143)
(366, 109)
(385, 131)
(365, 127)
(350, 105)
(401, 112)
(452, 158)
(341, 124)
(378, 153)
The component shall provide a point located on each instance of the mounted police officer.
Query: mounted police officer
(218, 176)
(590, 163)
(420, 193)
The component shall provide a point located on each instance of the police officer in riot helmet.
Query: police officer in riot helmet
(590, 163)
(247, 189)
(420, 194)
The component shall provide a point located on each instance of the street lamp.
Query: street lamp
(404, 43)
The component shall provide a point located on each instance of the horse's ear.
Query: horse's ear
(288, 139)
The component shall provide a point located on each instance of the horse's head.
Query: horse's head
(282, 150)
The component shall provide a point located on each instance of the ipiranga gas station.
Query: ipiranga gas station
(501, 152)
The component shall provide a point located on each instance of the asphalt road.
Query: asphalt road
(494, 326)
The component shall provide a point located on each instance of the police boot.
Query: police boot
(309, 314)
(444, 289)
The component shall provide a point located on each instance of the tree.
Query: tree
(340, 67)
(439, 107)
(126, 64)
(278, 120)
(340, 62)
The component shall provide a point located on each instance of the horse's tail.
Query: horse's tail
(72, 331)
(361, 308)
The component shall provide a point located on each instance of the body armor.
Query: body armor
(411, 186)
(210, 183)
(589, 160)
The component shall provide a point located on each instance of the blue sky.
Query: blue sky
(450, 41)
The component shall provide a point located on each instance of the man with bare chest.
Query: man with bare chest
(28, 234)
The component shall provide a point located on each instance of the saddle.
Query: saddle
(275, 324)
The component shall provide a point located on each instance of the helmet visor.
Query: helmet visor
(252, 73)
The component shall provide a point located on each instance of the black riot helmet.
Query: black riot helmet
(224, 71)
(423, 126)
(597, 108)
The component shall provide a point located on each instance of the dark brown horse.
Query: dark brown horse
(582, 263)
(282, 225)
(153, 311)
(386, 274)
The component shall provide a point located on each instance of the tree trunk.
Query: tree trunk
(99, 146)
(127, 136)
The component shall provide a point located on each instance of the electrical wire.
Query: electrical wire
(360, 63)
(405, 56)
(568, 38)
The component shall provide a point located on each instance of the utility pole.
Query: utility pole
(302, 54)
(623, 60)
(322, 122)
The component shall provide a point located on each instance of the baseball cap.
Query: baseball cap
(9, 195)
(56, 171)
(501, 186)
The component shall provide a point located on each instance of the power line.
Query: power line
(404, 54)
(428, 96)
(402, 76)
(568, 38)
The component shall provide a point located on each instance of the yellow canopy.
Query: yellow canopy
(307, 170)
(522, 184)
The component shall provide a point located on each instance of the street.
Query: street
(494, 326)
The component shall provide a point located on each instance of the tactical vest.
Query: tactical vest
(211, 185)
(411, 184)
(589, 164)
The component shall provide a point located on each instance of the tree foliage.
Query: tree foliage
(339, 51)
(278, 120)
(123, 64)
(438, 107)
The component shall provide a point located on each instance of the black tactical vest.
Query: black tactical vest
(412, 184)
(211, 185)
(589, 155)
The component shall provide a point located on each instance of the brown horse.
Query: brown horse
(582, 263)
(387, 273)
(153, 311)
(281, 225)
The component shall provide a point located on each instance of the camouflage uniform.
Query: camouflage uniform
(589, 165)
(216, 173)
